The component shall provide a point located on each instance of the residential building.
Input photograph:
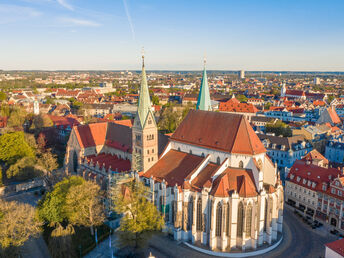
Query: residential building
(334, 150)
(335, 249)
(234, 106)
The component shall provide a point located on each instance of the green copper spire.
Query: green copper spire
(203, 102)
(144, 100)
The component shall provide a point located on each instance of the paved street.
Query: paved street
(299, 241)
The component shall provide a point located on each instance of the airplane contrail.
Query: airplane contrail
(129, 19)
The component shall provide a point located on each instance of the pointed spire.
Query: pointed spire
(144, 105)
(203, 102)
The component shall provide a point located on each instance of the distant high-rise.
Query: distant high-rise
(241, 74)
(317, 81)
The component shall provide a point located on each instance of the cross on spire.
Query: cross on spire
(143, 56)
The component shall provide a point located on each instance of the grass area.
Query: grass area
(82, 241)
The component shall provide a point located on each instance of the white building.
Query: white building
(217, 187)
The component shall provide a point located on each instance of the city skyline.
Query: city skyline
(84, 35)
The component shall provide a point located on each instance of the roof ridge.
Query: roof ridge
(248, 135)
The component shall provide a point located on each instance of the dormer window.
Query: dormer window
(337, 183)
(298, 179)
(292, 176)
(324, 187)
(304, 181)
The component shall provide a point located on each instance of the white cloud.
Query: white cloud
(78, 22)
(14, 13)
(65, 4)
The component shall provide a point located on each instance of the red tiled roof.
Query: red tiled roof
(64, 121)
(334, 116)
(314, 155)
(174, 167)
(234, 179)
(233, 105)
(107, 160)
(91, 135)
(337, 246)
(221, 131)
(126, 122)
(312, 173)
(295, 92)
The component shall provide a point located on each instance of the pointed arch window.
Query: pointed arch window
(240, 223)
(218, 228)
(218, 160)
(199, 215)
(248, 220)
(190, 213)
(241, 164)
(227, 222)
(202, 155)
(266, 215)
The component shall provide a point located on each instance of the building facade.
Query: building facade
(217, 187)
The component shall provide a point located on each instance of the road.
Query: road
(299, 240)
(34, 247)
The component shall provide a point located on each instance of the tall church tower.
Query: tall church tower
(144, 130)
(283, 90)
(203, 101)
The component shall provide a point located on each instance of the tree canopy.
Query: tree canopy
(140, 216)
(13, 147)
(18, 222)
(52, 208)
(278, 128)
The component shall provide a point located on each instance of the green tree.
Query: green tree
(330, 98)
(1, 183)
(17, 118)
(52, 208)
(3, 96)
(24, 169)
(241, 98)
(140, 217)
(84, 205)
(13, 147)
(155, 100)
(278, 128)
(41, 121)
(47, 160)
(18, 222)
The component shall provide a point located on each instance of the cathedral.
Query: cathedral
(212, 179)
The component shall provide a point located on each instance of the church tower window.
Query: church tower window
(218, 161)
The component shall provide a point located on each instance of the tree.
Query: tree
(17, 118)
(84, 205)
(3, 96)
(13, 147)
(241, 98)
(140, 217)
(155, 100)
(52, 207)
(41, 121)
(18, 222)
(60, 242)
(330, 98)
(47, 160)
(279, 128)
(24, 169)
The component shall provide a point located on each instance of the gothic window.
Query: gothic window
(190, 213)
(218, 160)
(266, 215)
(218, 228)
(241, 164)
(202, 155)
(178, 148)
(152, 136)
(190, 151)
(152, 150)
(199, 215)
(75, 161)
(227, 222)
(161, 202)
(248, 220)
(240, 223)
(149, 121)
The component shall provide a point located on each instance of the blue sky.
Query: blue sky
(233, 34)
